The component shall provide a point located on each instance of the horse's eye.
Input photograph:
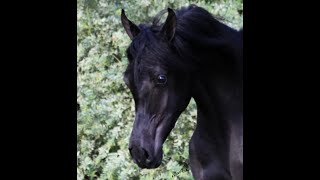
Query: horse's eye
(162, 79)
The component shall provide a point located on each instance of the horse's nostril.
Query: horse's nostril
(145, 153)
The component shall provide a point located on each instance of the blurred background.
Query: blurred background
(105, 106)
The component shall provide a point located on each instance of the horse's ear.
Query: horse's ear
(131, 29)
(169, 27)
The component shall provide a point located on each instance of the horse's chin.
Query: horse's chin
(151, 164)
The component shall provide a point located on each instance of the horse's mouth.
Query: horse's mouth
(148, 165)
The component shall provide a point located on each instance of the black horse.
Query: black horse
(190, 55)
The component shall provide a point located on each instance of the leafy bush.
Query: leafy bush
(105, 105)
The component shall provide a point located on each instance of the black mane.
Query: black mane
(200, 39)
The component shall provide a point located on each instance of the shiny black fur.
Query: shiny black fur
(190, 55)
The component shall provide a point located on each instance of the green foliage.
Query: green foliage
(106, 112)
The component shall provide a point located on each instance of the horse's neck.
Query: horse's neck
(218, 86)
(219, 102)
(213, 130)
